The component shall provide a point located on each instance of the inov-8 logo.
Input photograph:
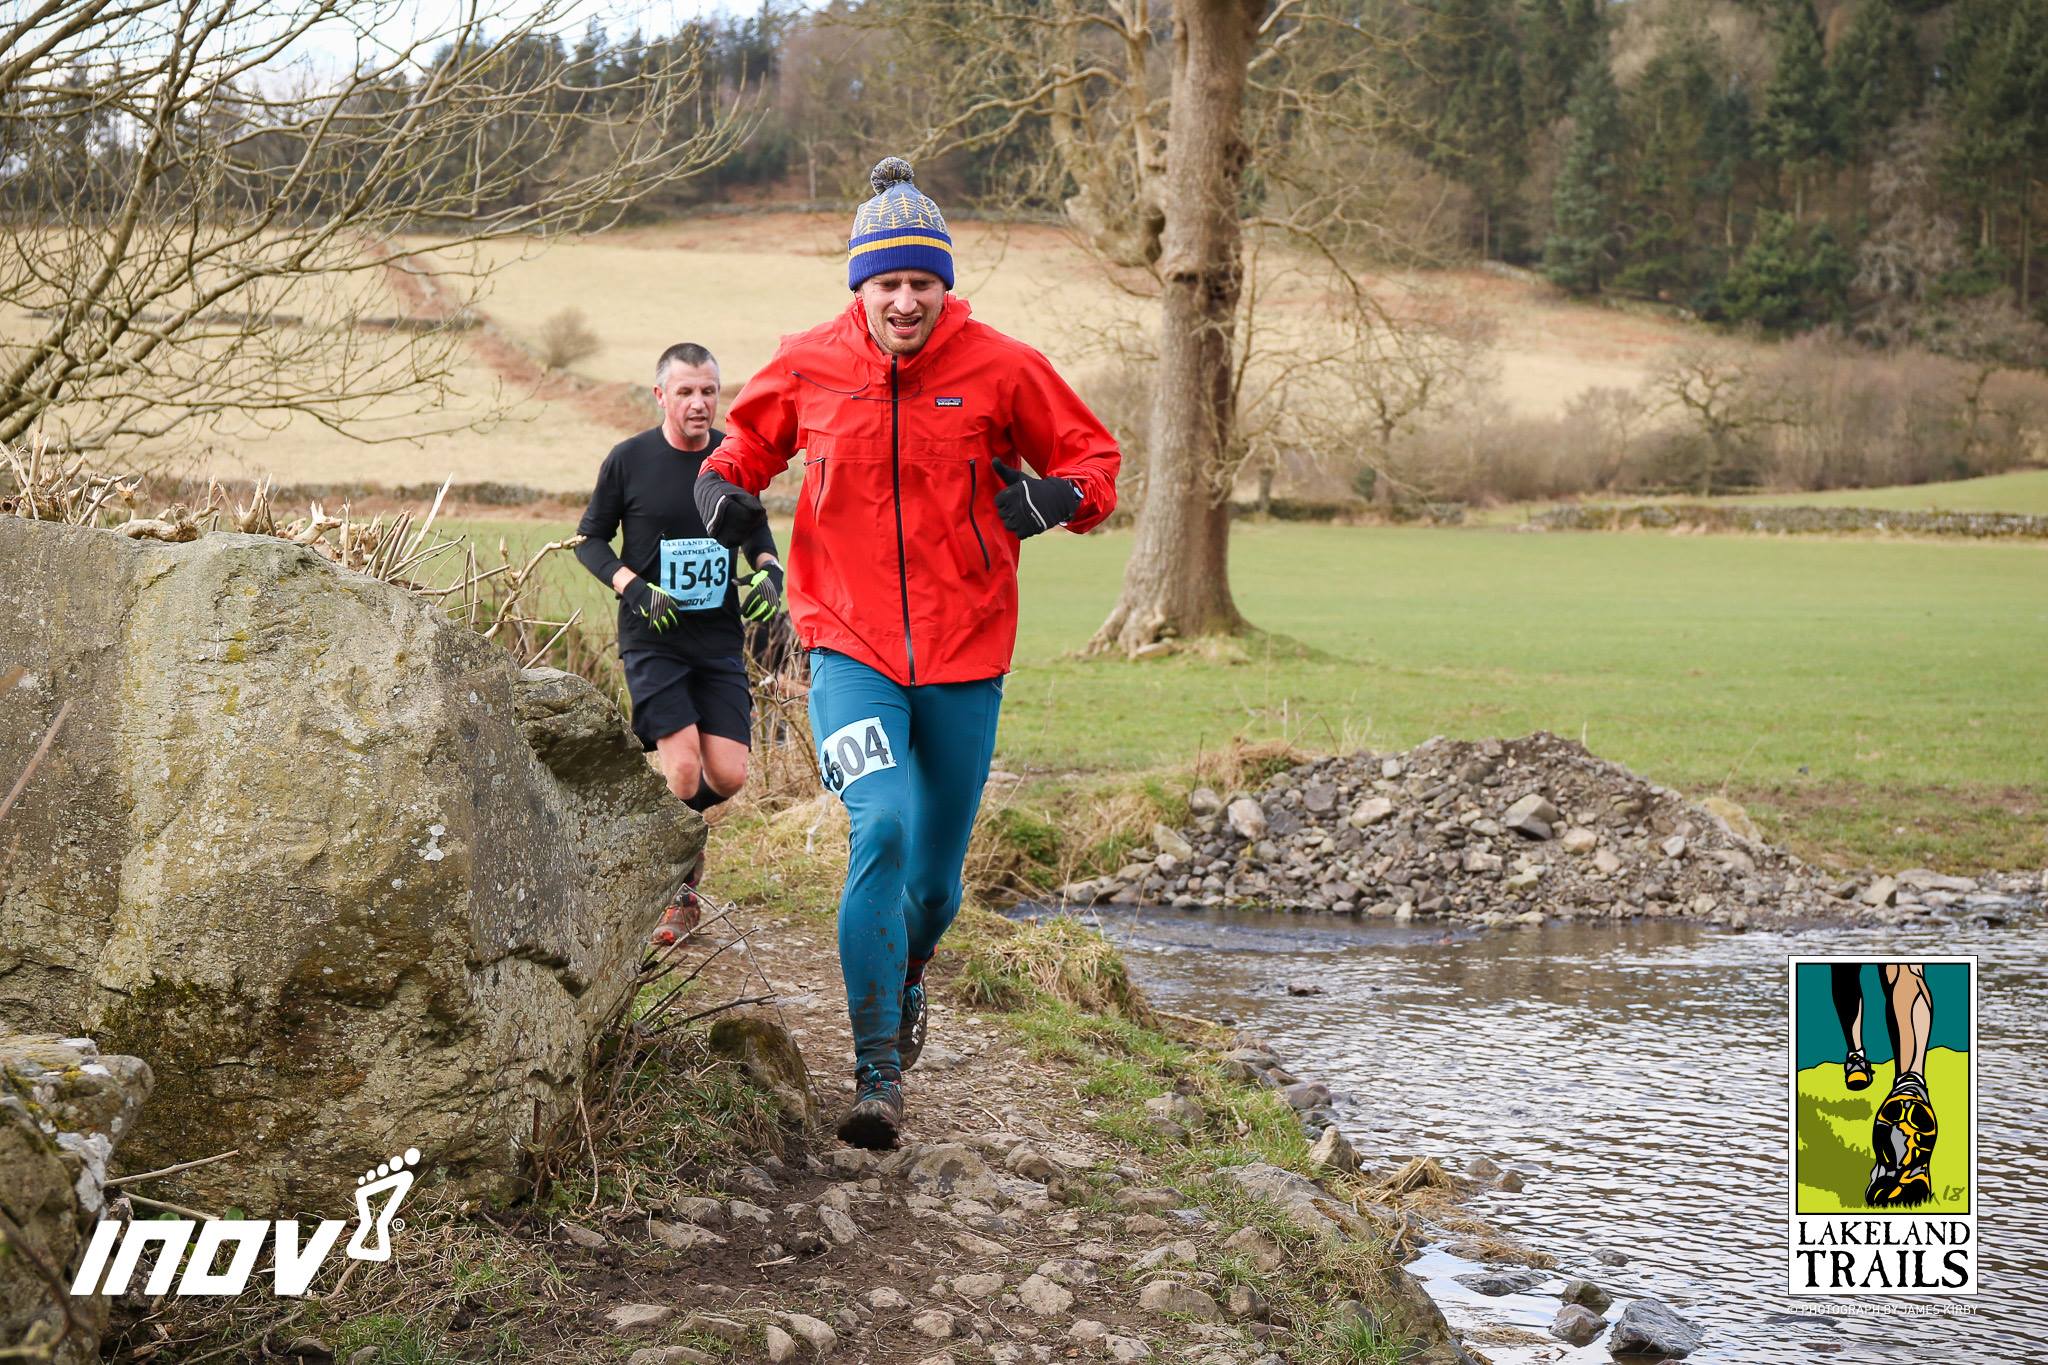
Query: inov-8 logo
(295, 1263)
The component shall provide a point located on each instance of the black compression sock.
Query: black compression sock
(705, 798)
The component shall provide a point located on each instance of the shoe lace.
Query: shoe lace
(874, 1082)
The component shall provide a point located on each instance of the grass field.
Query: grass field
(2024, 491)
(1879, 702)
(1834, 1135)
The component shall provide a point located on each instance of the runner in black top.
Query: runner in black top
(681, 596)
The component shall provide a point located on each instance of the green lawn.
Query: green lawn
(1883, 701)
(2025, 492)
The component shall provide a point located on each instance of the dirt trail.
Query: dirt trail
(620, 407)
(1006, 1228)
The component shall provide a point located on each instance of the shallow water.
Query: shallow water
(1635, 1076)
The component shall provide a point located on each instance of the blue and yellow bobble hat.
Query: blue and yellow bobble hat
(898, 229)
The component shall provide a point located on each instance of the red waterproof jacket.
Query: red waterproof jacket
(898, 558)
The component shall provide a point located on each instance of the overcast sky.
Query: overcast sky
(338, 46)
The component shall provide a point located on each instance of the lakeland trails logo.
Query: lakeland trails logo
(295, 1264)
(1884, 1126)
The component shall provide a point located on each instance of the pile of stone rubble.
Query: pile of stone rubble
(1500, 832)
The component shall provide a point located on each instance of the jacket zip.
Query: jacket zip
(973, 489)
(896, 479)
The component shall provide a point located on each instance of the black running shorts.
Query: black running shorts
(671, 693)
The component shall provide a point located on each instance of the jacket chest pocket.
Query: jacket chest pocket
(845, 442)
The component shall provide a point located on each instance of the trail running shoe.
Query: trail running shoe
(910, 1033)
(1902, 1135)
(877, 1113)
(684, 911)
(1856, 1071)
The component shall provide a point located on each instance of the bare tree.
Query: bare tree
(201, 226)
(1721, 392)
(1403, 373)
(1178, 135)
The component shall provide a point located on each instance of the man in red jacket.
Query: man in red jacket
(917, 425)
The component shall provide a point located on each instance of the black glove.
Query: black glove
(1030, 505)
(656, 607)
(763, 599)
(730, 512)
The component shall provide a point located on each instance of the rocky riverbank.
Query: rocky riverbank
(1499, 832)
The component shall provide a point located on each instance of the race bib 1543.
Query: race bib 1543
(852, 752)
(695, 572)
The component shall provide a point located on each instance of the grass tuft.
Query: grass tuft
(1058, 960)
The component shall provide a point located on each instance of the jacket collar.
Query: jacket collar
(853, 331)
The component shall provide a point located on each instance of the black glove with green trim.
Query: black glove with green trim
(1028, 506)
(763, 599)
(656, 607)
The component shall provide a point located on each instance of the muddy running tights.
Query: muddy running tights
(909, 762)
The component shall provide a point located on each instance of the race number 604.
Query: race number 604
(852, 752)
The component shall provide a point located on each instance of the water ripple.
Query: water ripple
(1635, 1077)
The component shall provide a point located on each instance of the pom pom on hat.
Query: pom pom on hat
(891, 170)
(898, 229)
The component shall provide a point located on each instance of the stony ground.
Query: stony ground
(1504, 832)
(1007, 1228)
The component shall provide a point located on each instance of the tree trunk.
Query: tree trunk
(1177, 582)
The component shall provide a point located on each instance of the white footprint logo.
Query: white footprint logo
(395, 1175)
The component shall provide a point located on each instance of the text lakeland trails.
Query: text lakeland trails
(1883, 1232)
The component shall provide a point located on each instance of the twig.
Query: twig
(590, 1142)
(541, 653)
(172, 1170)
(662, 1005)
(35, 761)
(673, 1025)
(174, 1208)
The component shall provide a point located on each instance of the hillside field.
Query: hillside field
(737, 284)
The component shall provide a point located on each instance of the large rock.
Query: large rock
(771, 1059)
(1652, 1327)
(1309, 1206)
(63, 1109)
(294, 847)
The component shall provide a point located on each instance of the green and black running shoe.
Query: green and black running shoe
(877, 1113)
(1856, 1071)
(910, 1033)
(1902, 1135)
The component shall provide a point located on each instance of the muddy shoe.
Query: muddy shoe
(1856, 1071)
(678, 921)
(1902, 1135)
(910, 1033)
(684, 911)
(877, 1113)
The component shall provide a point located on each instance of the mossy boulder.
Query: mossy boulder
(63, 1109)
(344, 876)
(771, 1059)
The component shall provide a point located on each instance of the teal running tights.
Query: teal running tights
(909, 762)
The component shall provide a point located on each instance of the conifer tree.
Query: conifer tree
(1579, 253)
(1799, 128)
(1875, 76)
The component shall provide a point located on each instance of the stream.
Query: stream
(1635, 1077)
